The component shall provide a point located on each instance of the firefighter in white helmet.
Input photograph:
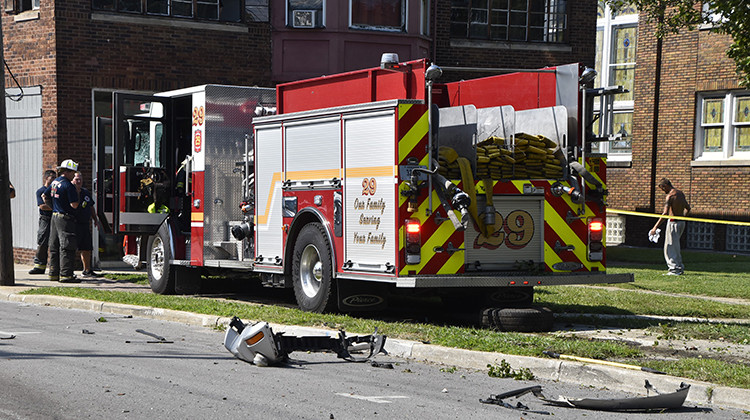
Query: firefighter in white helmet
(62, 196)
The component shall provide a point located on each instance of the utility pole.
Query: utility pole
(7, 274)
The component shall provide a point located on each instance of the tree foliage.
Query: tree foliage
(731, 17)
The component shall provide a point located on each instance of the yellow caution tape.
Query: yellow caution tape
(693, 219)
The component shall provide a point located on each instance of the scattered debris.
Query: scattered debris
(256, 343)
(381, 365)
(159, 339)
(656, 402)
(85, 331)
(648, 403)
(498, 399)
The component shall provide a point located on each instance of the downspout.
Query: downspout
(655, 127)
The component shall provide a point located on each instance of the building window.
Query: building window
(723, 127)
(305, 13)
(381, 15)
(257, 10)
(18, 6)
(738, 238)
(616, 40)
(221, 10)
(700, 235)
(425, 18)
(510, 20)
(615, 230)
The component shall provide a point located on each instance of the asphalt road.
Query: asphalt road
(53, 369)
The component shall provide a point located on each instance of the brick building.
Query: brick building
(68, 56)
(690, 123)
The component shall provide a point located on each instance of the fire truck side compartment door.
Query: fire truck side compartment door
(268, 196)
(370, 206)
(143, 162)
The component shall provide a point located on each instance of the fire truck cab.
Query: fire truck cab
(353, 187)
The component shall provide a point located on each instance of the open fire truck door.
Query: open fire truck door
(138, 182)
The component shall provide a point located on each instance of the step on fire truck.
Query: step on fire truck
(356, 187)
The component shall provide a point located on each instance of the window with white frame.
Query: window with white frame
(738, 238)
(381, 15)
(616, 41)
(510, 20)
(18, 6)
(723, 126)
(305, 13)
(700, 235)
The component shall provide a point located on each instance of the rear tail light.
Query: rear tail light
(596, 236)
(413, 241)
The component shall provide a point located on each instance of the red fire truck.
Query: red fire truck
(359, 186)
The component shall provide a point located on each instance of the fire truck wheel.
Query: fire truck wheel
(533, 319)
(160, 273)
(312, 270)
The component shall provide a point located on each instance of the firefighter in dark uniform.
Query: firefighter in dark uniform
(63, 196)
(42, 233)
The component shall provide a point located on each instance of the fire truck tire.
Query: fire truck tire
(312, 270)
(160, 274)
(533, 319)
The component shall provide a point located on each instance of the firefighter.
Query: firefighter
(62, 197)
(84, 214)
(42, 233)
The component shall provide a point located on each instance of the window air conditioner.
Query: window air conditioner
(303, 19)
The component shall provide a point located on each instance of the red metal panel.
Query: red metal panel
(197, 221)
(306, 199)
(521, 90)
(360, 86)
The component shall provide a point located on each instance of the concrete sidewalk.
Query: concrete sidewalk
(550, 369)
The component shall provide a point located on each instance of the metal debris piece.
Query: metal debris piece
(257, 344)
(648, 403)
(498, 400)
(381, 365)
(656, 402)
(159, 339)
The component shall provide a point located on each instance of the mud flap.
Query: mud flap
(357, 295)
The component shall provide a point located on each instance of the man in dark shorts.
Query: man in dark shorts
(62, 197)
(83, 215)
(42, 233)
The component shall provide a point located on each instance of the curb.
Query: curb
(549, 369)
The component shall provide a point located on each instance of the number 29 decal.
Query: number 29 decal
(369, 186)
(515, 231)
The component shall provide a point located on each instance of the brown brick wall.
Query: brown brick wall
(580, 48)
(692, 62)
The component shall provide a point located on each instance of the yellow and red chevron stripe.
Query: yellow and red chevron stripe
(559, 228)
(412, 146)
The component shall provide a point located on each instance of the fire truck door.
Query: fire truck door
(104, 180)
(143, 162)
